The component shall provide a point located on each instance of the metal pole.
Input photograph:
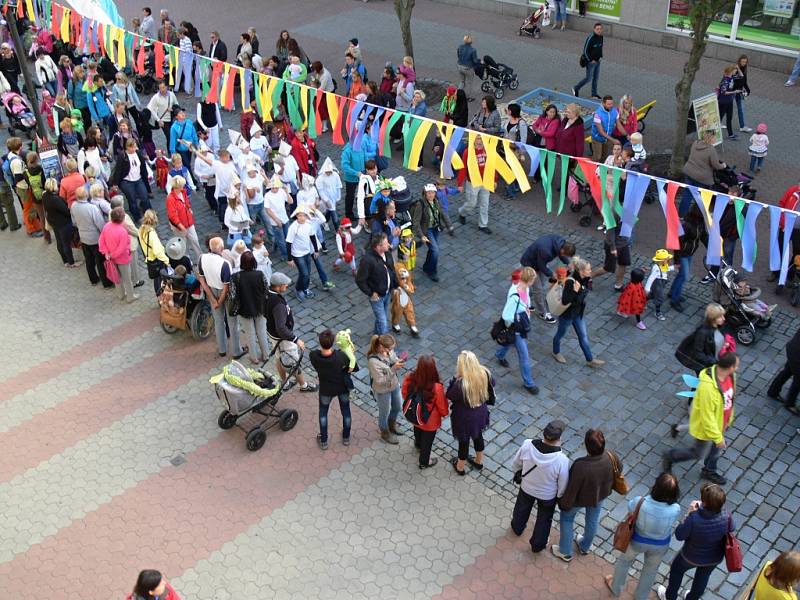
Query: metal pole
(19, 50)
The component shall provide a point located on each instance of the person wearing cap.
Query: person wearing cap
(345, 247)
(591, 478)
(468, 63)
(538, 255)
(302, 245)
(180, 215)
(280, 328)
(275, 202)
(286, 166)
(759, 144)
(428, 218)
(253, 184)
(376, 279)
(214, 274)
(225, 174)
(183, 137)
(544, 468)
(657, 280)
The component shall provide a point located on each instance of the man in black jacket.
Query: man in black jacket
(541, 252)
(217, 49)
(790, 370)
(9, 67)
(376, 278)
(590, 59)
(280, 327)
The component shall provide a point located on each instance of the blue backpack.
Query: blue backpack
(7, 175)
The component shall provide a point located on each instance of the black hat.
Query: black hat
(553, 430)
(354, 41)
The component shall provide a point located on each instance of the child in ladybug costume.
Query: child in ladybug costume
(633, 298)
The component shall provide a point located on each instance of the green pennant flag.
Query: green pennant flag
(293, 106)
(387, 142)
(107, 45)
(608, 213)
(410, 130)
(738, 205)
(205, 70)
(564, 173)
(312, 115)
(547, 169)
(276, 96)
(617, 203)
(258, 82)
(47, 13)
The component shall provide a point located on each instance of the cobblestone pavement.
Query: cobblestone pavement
(113, 457)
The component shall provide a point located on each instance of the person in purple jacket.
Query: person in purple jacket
(703, 534)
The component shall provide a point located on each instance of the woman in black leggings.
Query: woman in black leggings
(470, 392)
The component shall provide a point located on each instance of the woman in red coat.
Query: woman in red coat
(304, 151)
(570, 137)
(151, 585)
(180, 215)
(425, 380)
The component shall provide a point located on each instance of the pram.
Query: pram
(497, 77)
(744, 312)
(25, 121)
(245, 391)
(727, 177)
(183, 309)
(580, 196)
(539, 18)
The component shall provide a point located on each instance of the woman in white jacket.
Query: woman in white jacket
(91, 155)
(46, 71)
(237, 217)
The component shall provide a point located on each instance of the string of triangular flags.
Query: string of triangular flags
(216, 82)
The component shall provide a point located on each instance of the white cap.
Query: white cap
(429, 187)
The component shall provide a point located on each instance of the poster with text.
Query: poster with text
(51, 164)
(706, 114)
(779, 8)
(608, 8)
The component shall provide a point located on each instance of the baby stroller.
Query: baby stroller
(727, 177)
(744, 312)
(245, 391)
(539, 18)
(580, 196)
(25, 121)
(497, 76)
(182, 308)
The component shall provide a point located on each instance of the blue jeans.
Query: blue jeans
(652, 559)
(344, 406)
(258, 210)
(678, 570)
(51, 86)
(567, 526)
(380, 309)
(432, 258)
(322, 275)
(756, 162)
(220, 315)
(795, 70)
(279, 235)
(136, 193)
(579, 325)
(592, 73)
(740, 108)
(512, 189)
(681, 278)
(389, 404)
(303, 272)
(561, 11)
(330, 215)
(521, 345)
(687, 198)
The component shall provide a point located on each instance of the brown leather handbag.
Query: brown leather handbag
(624, 531)
(620, 485)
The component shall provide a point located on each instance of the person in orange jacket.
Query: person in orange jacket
(424, 383)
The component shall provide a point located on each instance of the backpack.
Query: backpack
(36, 184)
(553, 298)
(7, 175)
(415, 409)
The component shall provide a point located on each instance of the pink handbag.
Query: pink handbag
(572, 191)
(112, 272)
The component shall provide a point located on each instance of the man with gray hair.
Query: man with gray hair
(90, 222)
(214, 274)
(133, 233)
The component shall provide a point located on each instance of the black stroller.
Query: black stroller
(744, 312)
(727, 177)
(497, 77)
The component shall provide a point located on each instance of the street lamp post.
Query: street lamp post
(19, 49)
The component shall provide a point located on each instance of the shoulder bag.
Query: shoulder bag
(733, 551)
(624, 531)
(232, 298)
(502, 333)
(519, 475)
(553, 299)
(620, 485)
(153, 266)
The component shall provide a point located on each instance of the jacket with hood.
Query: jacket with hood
(549, 479)
(352, 163)
(706, 421)
(703, 161)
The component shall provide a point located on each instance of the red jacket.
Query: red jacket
(179, 209)
(480, 155)
(438, 406)
(571, 140)
(548, 129)
(790, 201)
(301, 155)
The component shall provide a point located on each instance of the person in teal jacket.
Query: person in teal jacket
(96, 101)
(77, 95)
(182, 136)
(712, 413)
(352, 167)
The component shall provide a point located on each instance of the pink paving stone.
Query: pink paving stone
(100, 405)
(180, 515)
(77, 354)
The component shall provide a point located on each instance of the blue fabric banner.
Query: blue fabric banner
(749, 245)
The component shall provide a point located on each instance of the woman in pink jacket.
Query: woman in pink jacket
(547, 126)
(115, 245)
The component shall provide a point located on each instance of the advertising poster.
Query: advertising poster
(706, 114)
(51, 164)
(779, 8)
(608, 8)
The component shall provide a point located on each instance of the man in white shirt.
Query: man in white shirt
(225, 173)
(160, 107)
(214, 274)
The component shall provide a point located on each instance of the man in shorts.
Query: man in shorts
(280, 327)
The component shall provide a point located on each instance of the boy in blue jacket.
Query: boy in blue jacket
(443, 193)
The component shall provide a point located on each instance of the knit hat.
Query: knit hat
(345, 222)
(354, 41)
(762, 128)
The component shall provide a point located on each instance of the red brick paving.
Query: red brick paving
(100, 405)
(179, 516)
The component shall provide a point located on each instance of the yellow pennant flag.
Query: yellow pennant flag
(265, 87)
(333, 108)
(65, 25)
(707, 196)
(29, 6)
(490, 168)
(473, 170)
(121, 58)
(304, 104)
(223, 95)
(516, 167)
(416, 145)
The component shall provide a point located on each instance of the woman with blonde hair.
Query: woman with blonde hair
(517, 316)
(383, 365)
(628, 121)
(576, 289)
(153, 250)
(778, 578)
(470, 393)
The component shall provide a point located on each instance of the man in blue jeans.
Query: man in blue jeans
(692, 225)
(376, 278)
(428, 218)
(590, 58)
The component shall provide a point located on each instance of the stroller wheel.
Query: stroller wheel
(585, 221)
(537, 34)
(168, 328)
(575, 207)
(745, 335)
(486, 87)
(139, 87)
(513, 84)
(226, 420)
(499, 93)
(288, 419)
(763, 323)
(255, 439)
(201, 321)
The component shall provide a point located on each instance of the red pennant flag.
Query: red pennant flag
(55, 23)
(673, 221)
(229, 83)
(590, 175)
(75, 34)
(382, 133)
(159, 60)
(101, 38)
(140, 58)
(319, 101)
(216, 75)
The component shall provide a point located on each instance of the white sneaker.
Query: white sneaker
(746, 129)
(790, 83)
(661, 592)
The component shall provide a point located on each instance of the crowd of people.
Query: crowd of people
(275, 199)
